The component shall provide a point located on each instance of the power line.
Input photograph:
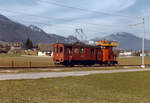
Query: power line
(45, 17)
(55, 19)
(86, 10)
(56, 3)
(62, 26)
(69, 26)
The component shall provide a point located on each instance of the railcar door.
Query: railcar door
(56, 57)
(66, 53)
(99, 56)
(61, 52)
(70, 54)
(96, 55)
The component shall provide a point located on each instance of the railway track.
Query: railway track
(59, 67)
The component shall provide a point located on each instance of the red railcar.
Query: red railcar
(82, 54)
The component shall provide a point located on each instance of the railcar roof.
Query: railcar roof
(79, 44)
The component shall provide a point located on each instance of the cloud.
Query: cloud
(102, 26)
(116, 5)
(64, 21)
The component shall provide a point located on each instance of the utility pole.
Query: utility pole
(143, 54)
(143, 40)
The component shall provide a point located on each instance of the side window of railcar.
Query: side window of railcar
(81, 50)
(76, 50)
(61, 49)
(70, 51)
(92, 51)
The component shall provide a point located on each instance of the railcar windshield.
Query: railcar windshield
(61, 49)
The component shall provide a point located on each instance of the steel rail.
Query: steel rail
(59, 67)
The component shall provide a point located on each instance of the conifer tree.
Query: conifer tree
(29, 44)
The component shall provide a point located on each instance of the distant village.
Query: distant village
(26, 48)
(133, 53)
(42, 49)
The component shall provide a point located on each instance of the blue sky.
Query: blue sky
(53, 17)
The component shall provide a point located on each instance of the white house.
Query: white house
(142, 54)
(45, 53)
(41, 53)
(126, 54)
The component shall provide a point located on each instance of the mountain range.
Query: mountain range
(126, 41)
(12, 31)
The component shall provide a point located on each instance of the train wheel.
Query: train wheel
(66, 65)
(71, 65)
(85, 65)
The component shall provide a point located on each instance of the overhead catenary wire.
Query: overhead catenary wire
(56, 19)
(54, 2)
(62, 5)
(47, 18)
(71, 27)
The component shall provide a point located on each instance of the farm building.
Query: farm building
(45, 49)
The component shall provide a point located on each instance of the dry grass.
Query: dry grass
(133, 60)
(20, 61)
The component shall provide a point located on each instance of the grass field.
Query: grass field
(133, 60)
(34, 61)
(24, 61)
(100, 88)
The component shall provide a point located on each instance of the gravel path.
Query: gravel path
(62, 74)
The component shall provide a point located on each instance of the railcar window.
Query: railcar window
(70, 51)
(81, 50)
(61, 49)
(57, 48)
(76, 50)
(92, 51)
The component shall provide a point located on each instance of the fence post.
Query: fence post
(12, 64)
(30, 64)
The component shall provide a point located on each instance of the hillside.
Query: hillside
(126, 41)
(11, 31)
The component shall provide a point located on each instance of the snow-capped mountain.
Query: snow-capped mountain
(126, 40)
(12, 31)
